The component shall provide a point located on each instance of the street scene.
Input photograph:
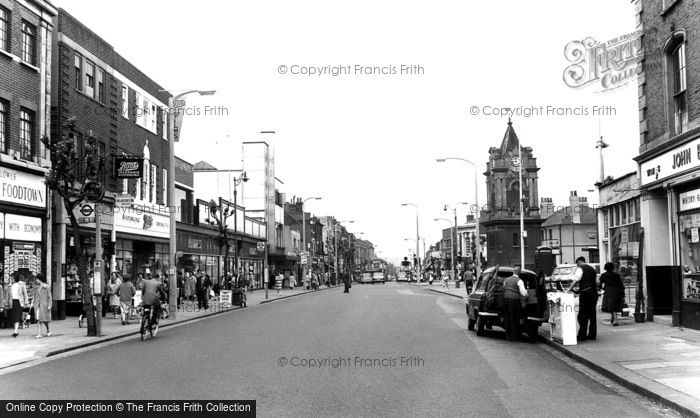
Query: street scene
(368, 209)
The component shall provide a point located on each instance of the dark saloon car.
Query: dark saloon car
(483, 315)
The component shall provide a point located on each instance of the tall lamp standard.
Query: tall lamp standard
(335, 244)
(236, 182)
(174, 103)
(303, 234)
(418, 267)
(452, 247)
(477, 262)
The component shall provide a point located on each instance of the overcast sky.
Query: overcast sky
(367, 143)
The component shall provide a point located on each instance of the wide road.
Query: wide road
(360, 341)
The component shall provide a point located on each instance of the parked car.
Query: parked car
(402, 277)
(366, 278)
(563, 275)
(480, 316)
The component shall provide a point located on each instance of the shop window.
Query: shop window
(689, 225)
(516, 240)
(637, 213)
(623, 213)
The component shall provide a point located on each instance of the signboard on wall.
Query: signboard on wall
(22, 228)
(128, 167)
(142, 223)
(689, 200)
(678, 160)
(22, 188)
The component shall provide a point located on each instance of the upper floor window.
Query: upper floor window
(78, 71)
(125, 101)
(100, 86)
(3, 125)
(28, 43)
(89, 78)
(4, 29)
(26, 128)
(679, 99)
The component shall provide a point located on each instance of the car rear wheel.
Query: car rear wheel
(471, 324)
(479, 326)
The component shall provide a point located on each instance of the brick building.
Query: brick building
(669, 158)
(25, 71)
(125, 111)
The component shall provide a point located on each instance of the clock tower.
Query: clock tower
(500, 219)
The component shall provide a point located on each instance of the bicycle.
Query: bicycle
(148, 322)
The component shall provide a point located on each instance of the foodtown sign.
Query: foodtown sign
(22, 188)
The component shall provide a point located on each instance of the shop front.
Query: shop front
(671, 215)
(198, 250)
(142, 239)
(251, 264)
(22, 223)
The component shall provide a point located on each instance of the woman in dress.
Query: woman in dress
(20, 299)
(611, 282)
(42, 304)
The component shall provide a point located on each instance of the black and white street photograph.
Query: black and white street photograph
(389, 208)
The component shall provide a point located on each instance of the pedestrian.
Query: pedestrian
(207, 288)
(445, 282)
(614, 291)
(112, 287)
(19, 297)
(346, 281)
(292, 281)
(468, 280)
(431, 276)
(314, 281)
(126, 291)
(139, 281)
(190, 286)
(585, 276)
(42, 304)
(278, 282)
(514, 293)
(307, 280)
(166, 287)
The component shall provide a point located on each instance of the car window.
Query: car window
(560, 271)
(482, 283)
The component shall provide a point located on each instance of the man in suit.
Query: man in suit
(199, 290)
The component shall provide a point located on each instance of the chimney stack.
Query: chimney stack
(575, 205)
(546, 207)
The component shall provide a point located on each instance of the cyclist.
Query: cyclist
(153, 293)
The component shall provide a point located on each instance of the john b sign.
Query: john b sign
(128, 167)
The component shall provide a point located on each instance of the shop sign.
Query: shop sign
(689, 200)
(675, 161)
(23, 228)
(22, 188)
(621, 189)
(143, 223)
(194, 244)
(123, 201)
(128, 167)
(225, 298)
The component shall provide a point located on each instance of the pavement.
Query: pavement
(67, 336)
(658, 361)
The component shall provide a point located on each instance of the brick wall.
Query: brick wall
(21, 84)
(105, 119)
(658, 26)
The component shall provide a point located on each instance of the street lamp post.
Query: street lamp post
(303, 235)
(418, 267)
(477, 262)
(452, 247)
(236, 182)
(172, 102)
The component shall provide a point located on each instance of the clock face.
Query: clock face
(515, 162)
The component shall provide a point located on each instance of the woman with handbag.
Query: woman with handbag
(611, 282)
(42, 304)
(20, 299)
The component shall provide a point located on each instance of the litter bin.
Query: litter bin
(563, 310)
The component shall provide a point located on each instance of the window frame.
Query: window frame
(4, 124)
(125, 101)
(78, 71)
(677, 84)
(100, 82)
(5, 25)
(90, 69)
(28, 32)
(27, 142)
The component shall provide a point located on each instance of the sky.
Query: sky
(366, 140)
